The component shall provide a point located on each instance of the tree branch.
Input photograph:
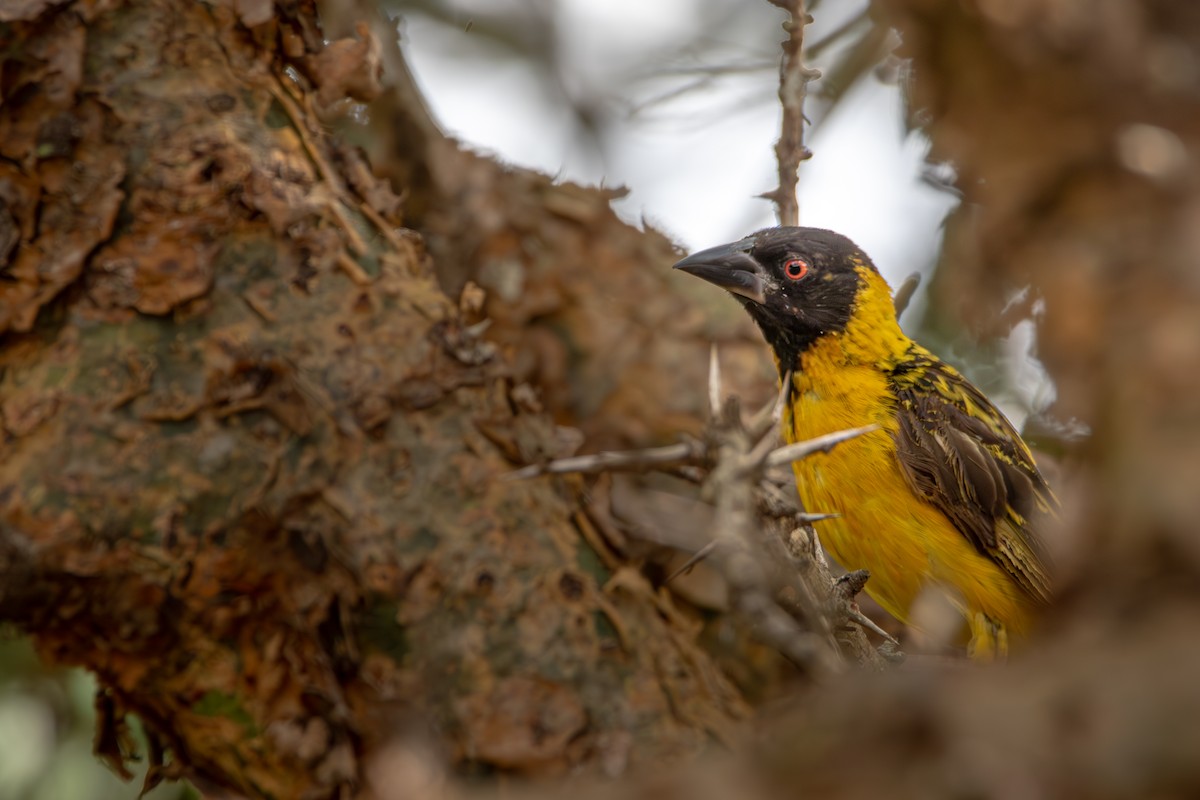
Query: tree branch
(785, 594)
(794, 77)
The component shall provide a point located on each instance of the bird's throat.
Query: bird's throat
(870, 338)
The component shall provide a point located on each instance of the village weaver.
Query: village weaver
(944, 491)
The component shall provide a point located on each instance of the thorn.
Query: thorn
(477, 330)
(696, 558)
(869, 624)
(525, 473)
(764, 447)
(714, 382)
(771, 414)
(805, 518)
(820, 444)
(689, 473)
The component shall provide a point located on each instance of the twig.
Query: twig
(704, 552)
(804, 552)
(771, 585)
(905, 293)
(692, 561)
(738, 553)
(613, 460)
(794, 78)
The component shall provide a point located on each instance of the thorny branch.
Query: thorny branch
(686, 452)
(820, 444)
(777, 578)
(794, 77)
(737, 554)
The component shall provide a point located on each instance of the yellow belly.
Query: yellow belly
(904, 541)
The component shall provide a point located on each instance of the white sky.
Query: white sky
(694, 164)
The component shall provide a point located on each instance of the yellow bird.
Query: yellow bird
(945, 491)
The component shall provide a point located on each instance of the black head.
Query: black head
(797, 283)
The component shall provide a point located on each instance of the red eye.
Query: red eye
(795, 268)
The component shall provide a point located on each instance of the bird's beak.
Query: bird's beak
(730, 267)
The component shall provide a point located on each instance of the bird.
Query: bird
(943, 491)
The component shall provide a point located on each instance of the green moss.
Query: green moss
(587, 560)
(220, 704)
(424, 540)
(246, 260)
(380, 631)
(55, 376)
(277, 116)
(604, 627)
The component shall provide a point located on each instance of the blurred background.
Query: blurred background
(47, 722)
(677, 102)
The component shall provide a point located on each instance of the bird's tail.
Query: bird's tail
(989, 638)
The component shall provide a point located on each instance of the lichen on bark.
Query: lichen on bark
(246, 479)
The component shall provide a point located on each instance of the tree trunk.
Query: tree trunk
(253, 455)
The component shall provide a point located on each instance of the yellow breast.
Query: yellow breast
(903, 540)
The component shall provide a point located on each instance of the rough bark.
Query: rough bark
(584, 304)
(250, 448)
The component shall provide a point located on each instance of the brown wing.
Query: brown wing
(961, 454)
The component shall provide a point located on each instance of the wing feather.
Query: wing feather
(962, 455)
